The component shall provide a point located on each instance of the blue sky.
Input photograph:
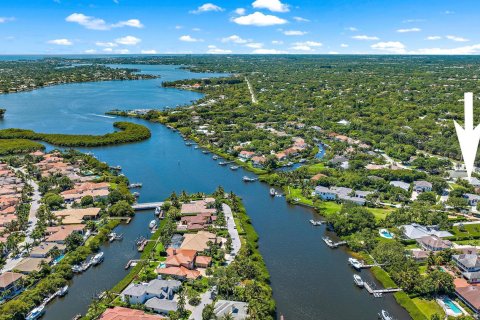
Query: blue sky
(238, 26)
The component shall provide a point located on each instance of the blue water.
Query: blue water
(321, 151)
(452, 305)
(309, 280)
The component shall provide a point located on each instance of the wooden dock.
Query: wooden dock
(379, 292)
(146, 205)
(367, 266)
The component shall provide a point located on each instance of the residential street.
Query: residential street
(236, 244)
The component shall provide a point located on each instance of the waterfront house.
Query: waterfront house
(121, 313)
(180, 257)
(141, 292)
(246, 155)
(259, 161)
(235, 309)
(470, 295)
(469, 264)
(180, 273)
(161, 306)
(362, 194)
(415, 231)
(198, 241)
(28, 265)
(58, 234)
(422, 186)
(198, 207)
(77, 216)
(10, 284)
(400, 184)
(325, 193)
(44, 248)
(433, 243)
(196, 222)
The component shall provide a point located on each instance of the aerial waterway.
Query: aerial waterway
(309, 280)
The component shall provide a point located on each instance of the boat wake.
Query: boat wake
(102, 116)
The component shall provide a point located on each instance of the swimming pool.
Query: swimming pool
(385, 233)
(452, 305)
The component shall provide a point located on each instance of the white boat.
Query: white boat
(385, 316)
(135, 185)
(248, 179)
(152, 224)
(358, 280)
(315, 223)
(97, 259)
(215, 157)
(355, 263)
(329, 242)
(158, 210)
(136, 194)
(272, 192)
(63, 291)
(77, 268)
(234, 168)
(112, 236)
(36, 313)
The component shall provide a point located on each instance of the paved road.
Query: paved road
(32, 218)
(236, 244)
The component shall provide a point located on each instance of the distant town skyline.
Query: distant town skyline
(239, 27)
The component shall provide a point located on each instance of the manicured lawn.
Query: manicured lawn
(380, 213)
(469, 230)
(429, 307)
(329, 207)
(315, 168)
(293, 193)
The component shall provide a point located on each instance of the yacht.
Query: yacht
(97, 259)
(234, 168)
(136, 194)
(36, 313)
(358, 280)
(63, 291)
(272, 192)
(315, 223)
(222, 163)
(152, 224)
(215, 157)
(384, 315)
(355, 263)
(135, 185)
(205, 152)
(158, 210)
(329, 242)
(248, 179)
(77, 268)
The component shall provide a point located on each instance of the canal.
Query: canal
(309, 280)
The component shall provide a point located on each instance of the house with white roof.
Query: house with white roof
(138, 293)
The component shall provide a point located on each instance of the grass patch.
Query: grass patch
(327, 208)
(429, 307)
(293, 193)
(129, 132)
(380, 213)
(315, 168)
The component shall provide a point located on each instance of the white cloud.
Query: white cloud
(188, 38)
(352, 29)
(344, 45)
(6, 19)
(107, 50)
(93, 23)
(207, 7)
(148, 52)
(277, 42)
(457, 39)
(272, 5)
(128, 40)
(294, 33)
(214, 50)
(300, 19)
(90, 51)
(106, 44)
(196, 29)
(235, 39)
(413, 20)
(61, 42)
(178, 27)
(240, 11)
(302, 48)
(259, 19)
(122, 51)
(389, 46)
(409, 30)
(254, 45)
(134, 23)
(306, 45)
(473, 49)
(433, 38)
(268, 51)
(365, 37)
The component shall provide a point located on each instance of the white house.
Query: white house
(140, 292)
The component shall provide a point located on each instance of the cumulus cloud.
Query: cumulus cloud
(277, 42)
(306, 45)
(409, 30)
(457, 39)
(272, 5)
(254, 45)
(389, 46)
(188, 38)
(473, 49)
(206, 8)
(365, 37)
(433, 38)
(106, 44)
(240, 11)
(93, 23)
(214, 50)
(353, 29)
(128, 40)
(90, 51)
(61, 42)
(344, 45)
(268, 51)
(259, 19)
(6, 19)
(148, 52)
(235, 39)
(300, 19)
(294, 33)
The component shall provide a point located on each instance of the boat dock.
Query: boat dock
(332, 244)
(377, 293)
(146, 206)
(367, 266)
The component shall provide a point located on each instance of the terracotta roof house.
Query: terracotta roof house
(203, 261)
(198, 241)
(42, 250)
(10, 282)
(259, 161)
(181, 273)
(246, 155)
(317, 177)
(197, 222)
(58, 234)
(77, 216)
(120, 313)
(433, 243)
(196, 207)
(470, 295)
(29, 265)
(180, 257)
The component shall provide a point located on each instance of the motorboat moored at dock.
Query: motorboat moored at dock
(152, 224)
(355, 263)
(97, 259)
(384, 315)
(272, 192)
(62, 292)
(316, 222)
(234, 168)
(248, 179)
(358, 280)
(36, 313)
